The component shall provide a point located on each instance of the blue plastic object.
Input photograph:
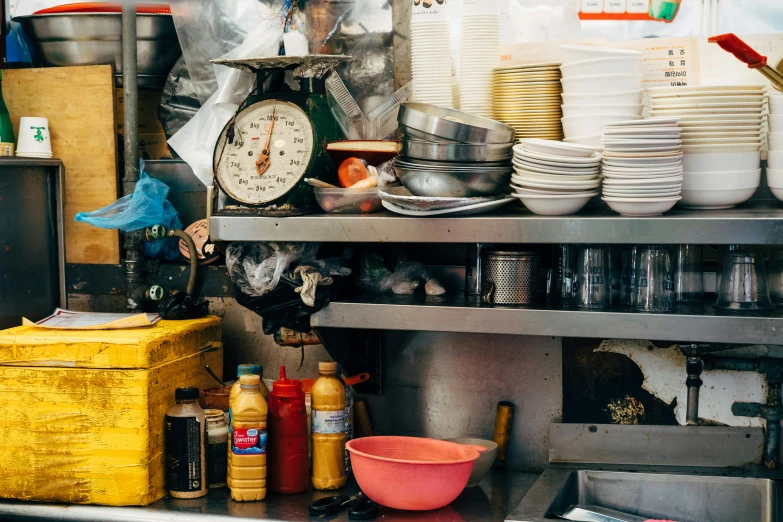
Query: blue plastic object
(146, 207)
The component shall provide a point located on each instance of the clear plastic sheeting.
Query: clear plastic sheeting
(195, 142)
(361, 29)
(209, 29)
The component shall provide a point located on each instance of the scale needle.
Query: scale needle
(262, 164)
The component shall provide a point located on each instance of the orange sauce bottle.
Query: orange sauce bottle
(247, 452)
(328, 406)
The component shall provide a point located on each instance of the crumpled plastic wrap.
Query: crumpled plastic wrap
(283, 282)
(179, 102)
(376, 277)
(256, 268)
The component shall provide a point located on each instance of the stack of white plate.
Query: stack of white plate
(722, 134)
(432, 62)
(723, 118)
(527, 97)
(600, 85)
(642, 166)
(553, 178)
(775, 154)
(479, 53)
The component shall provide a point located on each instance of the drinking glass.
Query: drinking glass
(654, 281)
(628, 280)
(689, 274)
(775, 277)
(593, 284)
(562, 278)
(743, 285)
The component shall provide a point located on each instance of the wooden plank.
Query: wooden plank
(79, 103)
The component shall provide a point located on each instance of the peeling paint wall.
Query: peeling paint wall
(664, 377)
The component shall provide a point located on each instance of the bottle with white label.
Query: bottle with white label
(328, 406)
(247, 454)
(186, 434)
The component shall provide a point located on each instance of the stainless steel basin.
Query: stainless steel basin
(684, 498)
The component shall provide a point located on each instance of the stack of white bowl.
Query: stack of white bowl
(432, 62)
(553, 178)
(722, 128)
(600, 85)
(642, 166)
(479, 54)
(775, 154)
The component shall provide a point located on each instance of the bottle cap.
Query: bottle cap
(327, 367)
(249, 380)
(287, 387)
(186, 394)
(249, 369)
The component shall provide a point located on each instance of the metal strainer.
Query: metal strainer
(510, 278)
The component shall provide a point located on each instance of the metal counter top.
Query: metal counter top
(497, 495)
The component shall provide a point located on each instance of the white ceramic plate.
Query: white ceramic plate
(575, 168)
(656, 181)
(574, 185)
(744, 97)
(724, 105)
(610, 142)
(543, 190)
(556, 148)
(470, 210)
(609, 149)
(642, 155)
(659, 194)
(642, 189)
(705, 149)
(670, 121)
(642, 172)
(554, 177)
(637, 162)
(706, 88)
(522, 152)
(520, 168)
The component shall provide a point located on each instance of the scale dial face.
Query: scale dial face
(269, 154)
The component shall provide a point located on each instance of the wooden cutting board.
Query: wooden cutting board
(79, 103)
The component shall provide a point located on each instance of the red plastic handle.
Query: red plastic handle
(104, 7)
(744, 53)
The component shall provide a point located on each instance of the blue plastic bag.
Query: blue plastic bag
(147, 206)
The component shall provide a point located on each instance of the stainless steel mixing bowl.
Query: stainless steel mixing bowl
(96, 39)
(436, 183)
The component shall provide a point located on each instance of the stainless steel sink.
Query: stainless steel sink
(684, 498)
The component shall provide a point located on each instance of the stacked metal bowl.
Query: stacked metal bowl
(448, 153)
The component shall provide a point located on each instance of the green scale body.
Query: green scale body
(276, 140)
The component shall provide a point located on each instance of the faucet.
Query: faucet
(770, 368)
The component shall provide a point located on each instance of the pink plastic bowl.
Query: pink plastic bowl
(411, 473)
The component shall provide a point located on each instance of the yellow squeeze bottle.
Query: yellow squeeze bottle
(247, 451)
(328, 406)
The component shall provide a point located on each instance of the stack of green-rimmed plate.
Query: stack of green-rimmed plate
(527, 98)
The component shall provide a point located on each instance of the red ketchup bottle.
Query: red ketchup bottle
(288, 464)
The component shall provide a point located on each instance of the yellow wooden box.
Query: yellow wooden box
(81, 412)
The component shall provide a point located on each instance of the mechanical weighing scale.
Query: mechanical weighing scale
(277, 138)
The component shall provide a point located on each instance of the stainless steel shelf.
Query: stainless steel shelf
(754, 223)
(455, 313)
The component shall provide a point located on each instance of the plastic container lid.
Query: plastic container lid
(250, 380)
(287, 387)
(186, 394)
(327, 367)
(249, 369)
